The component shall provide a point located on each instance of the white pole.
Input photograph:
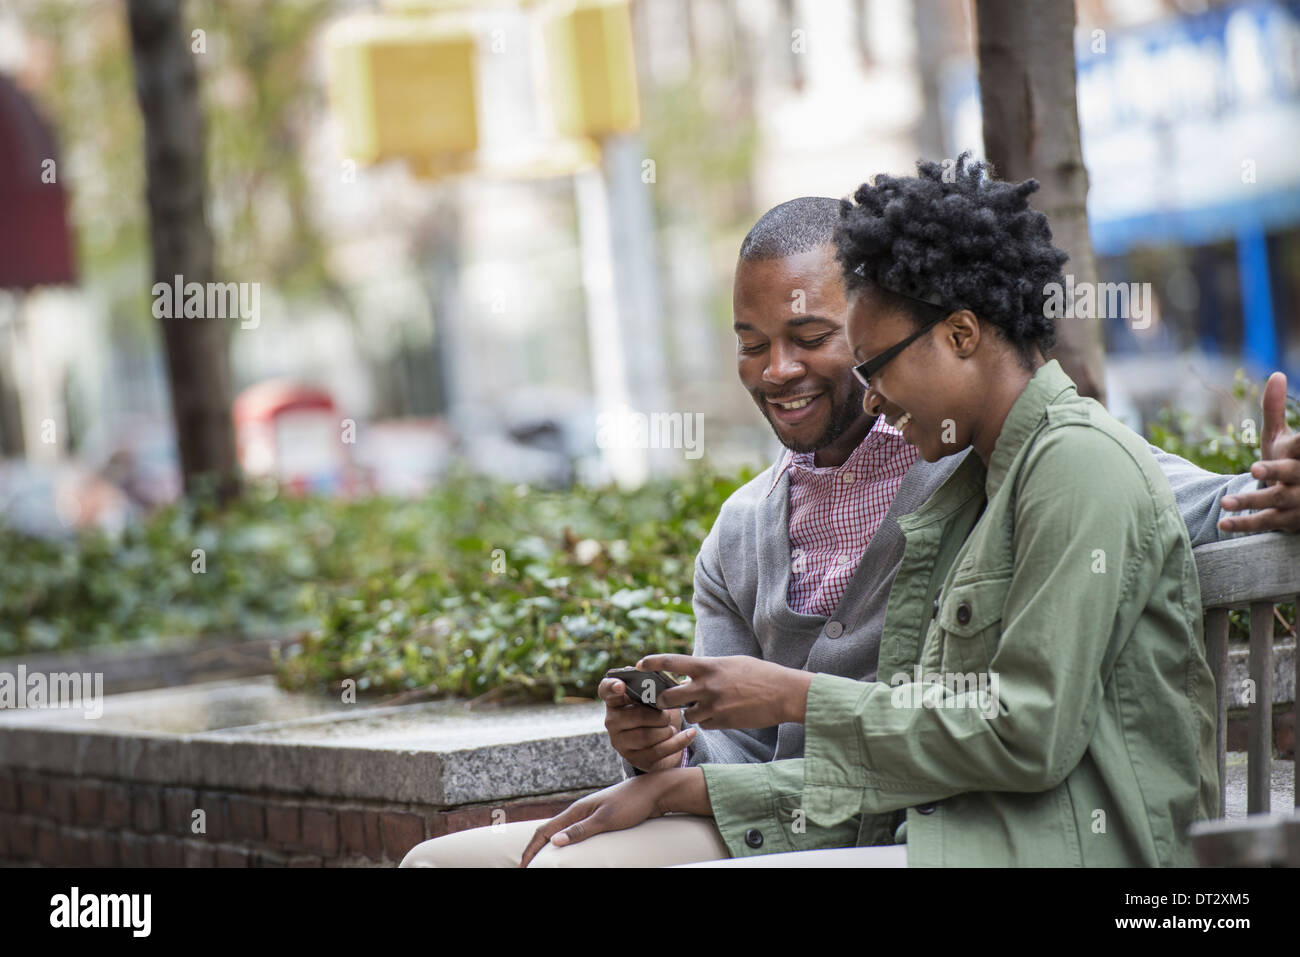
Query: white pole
(626, 466)
(616, 231)
(630, 181)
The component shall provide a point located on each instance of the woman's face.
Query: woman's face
(924, 390)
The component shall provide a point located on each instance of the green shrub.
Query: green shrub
(476, 587)
(517, 592)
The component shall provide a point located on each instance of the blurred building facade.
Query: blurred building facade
(1187, 113)
(470, 292)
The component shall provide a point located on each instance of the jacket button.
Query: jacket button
(834, 629)
(754, 837)
(925, 809)
(963, 614)
(935, 613)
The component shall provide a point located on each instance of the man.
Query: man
(797, 569)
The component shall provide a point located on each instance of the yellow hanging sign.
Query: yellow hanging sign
(591, 66)
(403, 87)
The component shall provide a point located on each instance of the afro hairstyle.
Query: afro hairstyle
(953, 237)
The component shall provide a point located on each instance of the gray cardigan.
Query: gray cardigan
(742, 576)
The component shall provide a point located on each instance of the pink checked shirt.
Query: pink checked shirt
(835, 511)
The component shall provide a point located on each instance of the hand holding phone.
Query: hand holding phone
(648, 737)
(643, 687)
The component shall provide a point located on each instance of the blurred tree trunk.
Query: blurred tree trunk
(1031, 129)
(931, 26)
(198, 358)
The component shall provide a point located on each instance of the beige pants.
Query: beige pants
(675, 839)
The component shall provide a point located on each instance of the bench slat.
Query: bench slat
(1216, 653)
(1259, 747)
(1238, 571)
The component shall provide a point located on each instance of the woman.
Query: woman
(1044, 695)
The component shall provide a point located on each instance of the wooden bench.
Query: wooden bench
(1254, 572)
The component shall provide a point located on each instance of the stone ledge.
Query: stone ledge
(439, 753)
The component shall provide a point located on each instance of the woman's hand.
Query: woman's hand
(737, 691)
(626, 804)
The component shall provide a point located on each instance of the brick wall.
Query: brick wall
(49, 819)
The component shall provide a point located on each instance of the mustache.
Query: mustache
(853, 390)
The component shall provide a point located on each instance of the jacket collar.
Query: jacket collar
(1046, 386)
(966, 481)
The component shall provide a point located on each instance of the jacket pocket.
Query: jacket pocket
(996, 829)
(970, 621)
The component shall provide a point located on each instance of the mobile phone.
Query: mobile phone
(643, 687)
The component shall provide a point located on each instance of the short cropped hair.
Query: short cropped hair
(793, 227)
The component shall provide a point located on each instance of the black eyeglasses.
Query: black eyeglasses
(872, 366)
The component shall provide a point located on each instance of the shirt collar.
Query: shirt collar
(880, 430)
(1046, 386)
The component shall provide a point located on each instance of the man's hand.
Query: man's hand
(650, 740)
(733, 692)
(1279, 464)
(626, 804)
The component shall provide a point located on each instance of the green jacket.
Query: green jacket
(1044, 698)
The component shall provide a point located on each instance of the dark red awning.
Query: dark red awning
(35, 244)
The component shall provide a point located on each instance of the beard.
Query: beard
(843, 414)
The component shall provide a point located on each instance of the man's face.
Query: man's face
(792, 353)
